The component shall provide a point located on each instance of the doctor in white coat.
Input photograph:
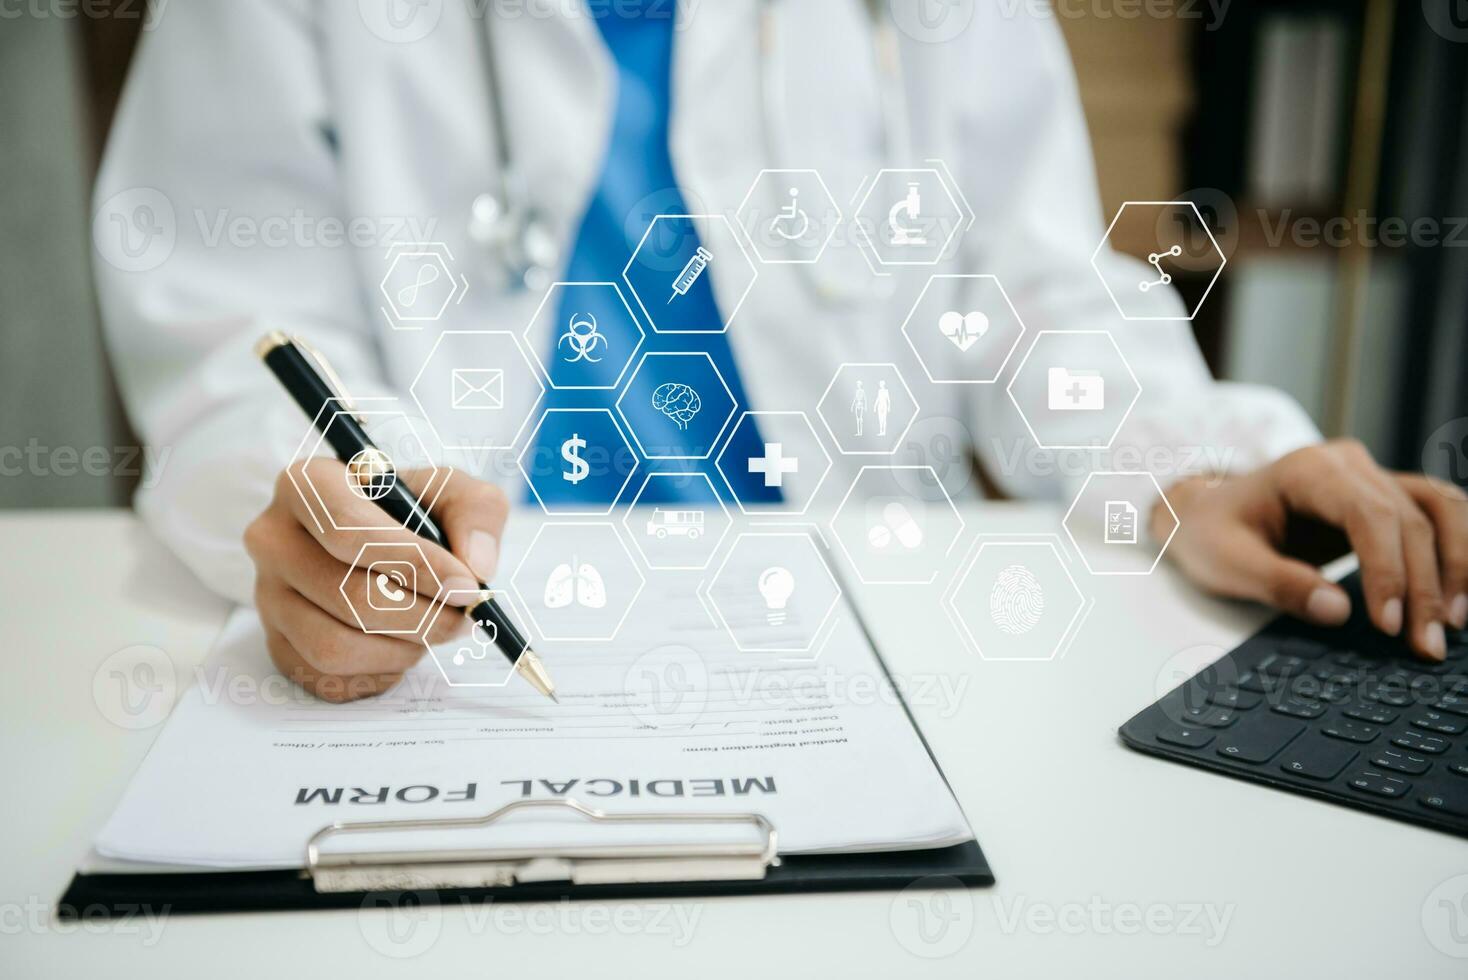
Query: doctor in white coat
(267, 156)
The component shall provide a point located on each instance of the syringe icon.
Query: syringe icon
(691, 272)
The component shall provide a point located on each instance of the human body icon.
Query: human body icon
(792, 222)
(882, 405)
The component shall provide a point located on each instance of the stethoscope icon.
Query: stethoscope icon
(791, 212)
(484, 633)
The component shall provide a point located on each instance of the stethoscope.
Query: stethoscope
(519, 238)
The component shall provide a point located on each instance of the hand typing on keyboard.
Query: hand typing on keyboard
(1254, 536)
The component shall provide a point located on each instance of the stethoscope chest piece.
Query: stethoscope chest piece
(520, 238)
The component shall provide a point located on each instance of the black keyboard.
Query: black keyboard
(1346, 715)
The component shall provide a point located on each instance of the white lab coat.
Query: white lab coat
(239, 113)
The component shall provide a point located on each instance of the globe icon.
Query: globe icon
(370, 474)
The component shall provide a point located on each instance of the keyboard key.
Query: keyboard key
(1233, 697)
(1296, 708)
(1400, 761)
(1350, 731)
(1419, 742)
(1380, 784)
(1396, 695)
(1374, 714)
(1207, 716)
(1316, 758)
(1458, 768)
(1282, 665)
(1437, 721)
(1259, 683)
(1455, 703)
(1258, 738)
(1450, 799)
(1188, 738)
(1306, 687)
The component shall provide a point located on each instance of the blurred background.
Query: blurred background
(1326, 144)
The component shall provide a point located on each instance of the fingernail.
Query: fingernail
(1434, 642)
(1328, 607)
(1391, 617)
(484, 554)
(466, 587)
(1458, 611)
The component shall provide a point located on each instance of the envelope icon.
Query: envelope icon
(479, 389)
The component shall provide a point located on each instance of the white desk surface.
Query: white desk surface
(1090, 842)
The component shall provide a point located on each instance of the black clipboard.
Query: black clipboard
(406, 879)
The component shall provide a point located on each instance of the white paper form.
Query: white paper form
(668, 718)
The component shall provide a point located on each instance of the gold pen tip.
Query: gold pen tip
(530, 668)
(270, 342)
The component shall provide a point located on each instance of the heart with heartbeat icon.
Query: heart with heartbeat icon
(964, 329)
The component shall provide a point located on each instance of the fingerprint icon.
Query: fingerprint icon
(1016, 601)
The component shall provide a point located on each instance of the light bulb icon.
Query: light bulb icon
(775, 586)
(483, 633)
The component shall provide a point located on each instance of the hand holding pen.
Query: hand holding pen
(313, 636)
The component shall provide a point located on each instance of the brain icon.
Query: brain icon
(678, 402)
(1017, 600)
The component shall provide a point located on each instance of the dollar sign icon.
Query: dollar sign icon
(571, 453)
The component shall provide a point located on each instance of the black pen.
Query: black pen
(290, 361)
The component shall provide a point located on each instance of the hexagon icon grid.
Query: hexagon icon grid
(577, 582)
(604, 321)
(390, 586)
(784, 448)
(683, 533)
(471, 659)
(1074, 398)
(682, 408)
(419, 284)
(577, 446)
(680, 252)
(888, 535)
(801, 219)
(889, 231)
(1017, 599)
(1117, 504)
(773, 592)
(1131, 300)
(396, 437)
(966, 339)
(474, 379)
(856, 395)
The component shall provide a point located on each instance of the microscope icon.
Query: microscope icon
(903, 218)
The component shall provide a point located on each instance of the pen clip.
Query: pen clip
(333, 380)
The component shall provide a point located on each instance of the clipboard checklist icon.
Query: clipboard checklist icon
(478, 389)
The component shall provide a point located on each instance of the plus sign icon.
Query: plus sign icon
(773, 465)
(773, 462)
(1074, 389)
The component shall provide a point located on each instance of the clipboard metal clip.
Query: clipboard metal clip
(500, 867)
